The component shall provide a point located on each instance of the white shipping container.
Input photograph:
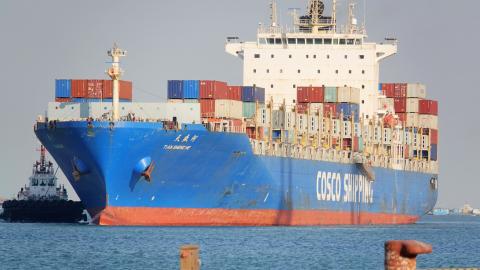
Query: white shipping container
(416, 90)
(354, 95)
(302, 122)
(278, 119)
(411, 120)
(313, 124)
(315, 108)
(386, 104)
(343, 94)
(428, 121)
(412, 105)
(263, 117)
(289, 120)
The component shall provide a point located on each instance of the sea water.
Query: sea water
(455, 240)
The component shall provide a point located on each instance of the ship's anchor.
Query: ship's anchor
(148, 172)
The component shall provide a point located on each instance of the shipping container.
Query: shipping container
(330, 94)
(408, 119)
(63, 88)
(330, 109)
(225, 108)
(278, 119)
(434, 136)
(79, 88)
(235, 125)
(235, 93)
(348, 95)
(310, 94)
(400, 105)
(400, 90)
(252, 94)
(434, 151)
(125, 89)
(388, 89)
(191, 89)
(416, 90)
(94, 88)
(428, 121)
(213, 90)
(207, 107)
(348, 109)
(276, 134)
(248, 109)
(386, 104)
(302, 107)
(175, 89)
(428, 107)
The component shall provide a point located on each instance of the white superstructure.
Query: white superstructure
(312, 53)
(43, 182)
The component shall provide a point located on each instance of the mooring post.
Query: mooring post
(189, 259)
(402, 254)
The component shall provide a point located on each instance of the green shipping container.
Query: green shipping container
(330, 94)
(361, 147)
(248, 109)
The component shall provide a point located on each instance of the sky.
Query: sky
(45, 40)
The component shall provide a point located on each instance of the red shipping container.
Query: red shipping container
(400, 90)
(302, 107)
(125, 89)
(213, 90)
(433, 136)
(63, 99)
(405, 151)
(94, 88)
(402, 117)
(207, 107)
(234, 93)
(79, 88)
(426, 106)
(388, 89)
(400, 104)
(310, 94)
(330, 109)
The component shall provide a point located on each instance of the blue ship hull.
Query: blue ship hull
(198, 177)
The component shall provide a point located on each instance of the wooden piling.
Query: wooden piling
(189, 257)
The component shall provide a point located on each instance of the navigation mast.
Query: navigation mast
(115, 73)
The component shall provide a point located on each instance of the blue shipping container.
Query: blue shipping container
(253, 94)
(276, 134)
(63, 88)
(433, 151)
(191, 89)
(348, 109)
(175, 89)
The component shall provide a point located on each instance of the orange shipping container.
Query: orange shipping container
(125, 89)
(234, 93)
(79, 88)
(94, 88)
(207, 107)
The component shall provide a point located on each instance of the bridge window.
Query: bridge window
(294, 86)
(298, 71)
(278, 41)
(350, 41)
(271, 85)
(358, 41)
(271, 40)
(342, 41)
(268, 70)
(300, 41)
(254, 71)
(306, 56)
(318, 71)
(335, 41)
(328, 56)
(309, 41)
(292, 41)
(363, 71)
(272, 56)
(257, 55)
(327, 41)
(336, 71)
(262, 41)
(363, 86)
(314, 56)
(346, 56)
(318, 41)
(350, 71)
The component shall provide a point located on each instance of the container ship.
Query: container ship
(310, 138)
(42, 200)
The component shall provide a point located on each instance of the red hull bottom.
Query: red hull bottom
(145, 216)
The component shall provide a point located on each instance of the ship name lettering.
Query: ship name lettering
(177, 147)
(354, 188)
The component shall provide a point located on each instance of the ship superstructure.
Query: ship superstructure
(314, 52)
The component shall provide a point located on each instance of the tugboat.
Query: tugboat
(42, 200)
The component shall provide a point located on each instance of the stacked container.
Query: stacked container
(252, 97)
(90, 90)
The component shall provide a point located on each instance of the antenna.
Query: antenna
(273, 17)
(334, 15)
(115, 73)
